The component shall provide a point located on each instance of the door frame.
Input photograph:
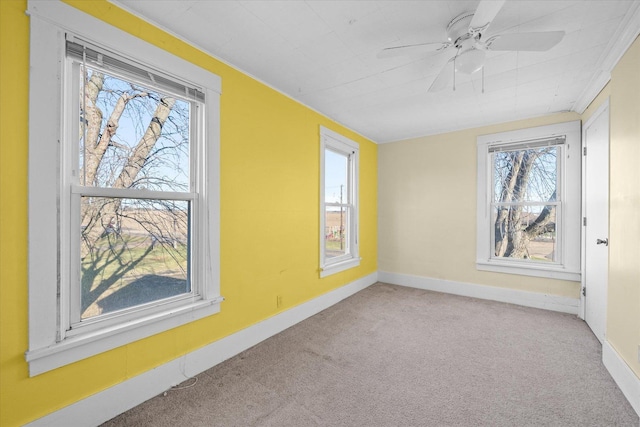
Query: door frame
(583, 241)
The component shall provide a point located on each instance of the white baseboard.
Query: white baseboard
(105, 405)
(622, 374)
(513, 296)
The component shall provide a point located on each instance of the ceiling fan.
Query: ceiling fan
(466, 33)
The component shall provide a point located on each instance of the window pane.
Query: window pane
(132, 252)
(335, 177)
(525, 175)
(525, 232)
(335, 233)
(133, 136)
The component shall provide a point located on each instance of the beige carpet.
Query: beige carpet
(396, 356)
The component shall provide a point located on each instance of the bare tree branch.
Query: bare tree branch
(140, 154)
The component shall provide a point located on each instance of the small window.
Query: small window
(338, 203)
(123, 214)
(528, 203)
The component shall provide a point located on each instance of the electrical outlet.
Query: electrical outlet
(278, 301)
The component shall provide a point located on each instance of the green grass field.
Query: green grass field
(118, 262)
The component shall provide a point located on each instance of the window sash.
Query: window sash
(348, 191)
(347, 227)
(557, 259)
(74, 323)
(76, 70)
(527, 146)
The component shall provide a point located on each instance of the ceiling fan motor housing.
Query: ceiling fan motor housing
(469, 59)
(458, 30)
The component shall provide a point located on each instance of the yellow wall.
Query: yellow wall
(269, 220)
(427, 210)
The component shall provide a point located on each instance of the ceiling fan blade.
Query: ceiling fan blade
(443, 78)
(539, 41)
(484, 14)
(412, 49)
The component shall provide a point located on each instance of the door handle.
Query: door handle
(602, 242)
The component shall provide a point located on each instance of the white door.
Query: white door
(596, 212)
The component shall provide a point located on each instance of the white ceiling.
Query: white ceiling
(324, 54)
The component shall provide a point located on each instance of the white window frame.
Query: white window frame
(340, 144)
(567, 265)
(50, 195)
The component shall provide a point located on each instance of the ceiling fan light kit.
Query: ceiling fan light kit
(466, 32)
(469, 61)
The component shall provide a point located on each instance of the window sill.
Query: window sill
(79, 347)
(525, 269)
(330, 269)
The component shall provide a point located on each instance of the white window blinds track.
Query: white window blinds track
(527, 145)
(92, 55)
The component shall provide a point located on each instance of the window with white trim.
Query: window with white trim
(123, 210)
(338, 203)
(529, 201)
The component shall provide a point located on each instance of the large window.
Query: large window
(338, 203)
(529, 201)
(126, 206)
